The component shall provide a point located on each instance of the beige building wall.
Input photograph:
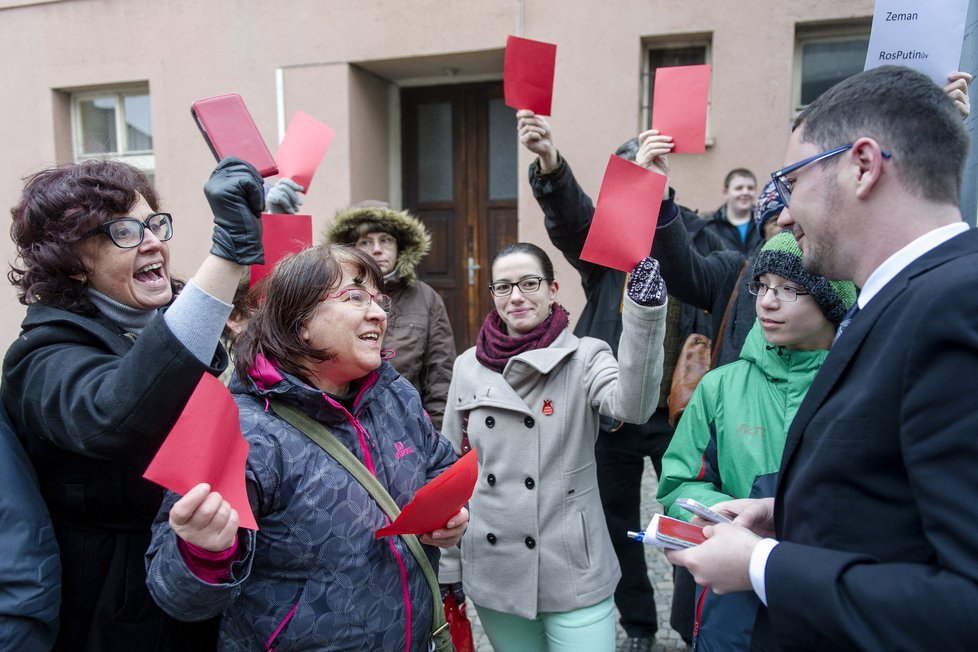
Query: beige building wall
(343, 61)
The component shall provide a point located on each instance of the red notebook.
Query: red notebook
(229, 130)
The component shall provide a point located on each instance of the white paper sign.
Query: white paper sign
(925, 35)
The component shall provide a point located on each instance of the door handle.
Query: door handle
(472, 267)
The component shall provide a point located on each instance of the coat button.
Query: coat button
(490, 422)
(530, 543)
(491, 479)
(491, 538)
(529, 483)
(529, 422)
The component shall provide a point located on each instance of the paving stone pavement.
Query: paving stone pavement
(660, 573)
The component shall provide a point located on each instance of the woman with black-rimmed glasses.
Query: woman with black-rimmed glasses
(108, 355)
(537, 560)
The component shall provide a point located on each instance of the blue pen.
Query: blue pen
(638, 536)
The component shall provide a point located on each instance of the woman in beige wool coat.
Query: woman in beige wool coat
(537, 560)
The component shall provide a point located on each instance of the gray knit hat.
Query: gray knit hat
(781, 256)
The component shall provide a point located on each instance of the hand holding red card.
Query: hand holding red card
(679, 106)
(528, 74)
(671, 533)
(624, 220)
(206, 445)
(437, 501)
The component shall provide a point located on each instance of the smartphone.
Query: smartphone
(678, 533)
(227, 127)
(702, 511)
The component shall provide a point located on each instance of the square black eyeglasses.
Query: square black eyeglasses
(780, 177)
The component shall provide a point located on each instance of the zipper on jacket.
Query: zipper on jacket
(282, 625)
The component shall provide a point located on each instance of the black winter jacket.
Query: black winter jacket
(91, 406)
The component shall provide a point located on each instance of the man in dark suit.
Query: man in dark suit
(874, 518)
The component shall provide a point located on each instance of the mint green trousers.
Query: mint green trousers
(589, 629)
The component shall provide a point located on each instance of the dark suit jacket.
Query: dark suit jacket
(877, 499)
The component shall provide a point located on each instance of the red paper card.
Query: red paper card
(624, 220)
(206, 445)
(281, 235)
(528, 74)
(679, 106)
(437, 501)
(305, 143)
(679, 533)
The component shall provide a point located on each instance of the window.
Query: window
(688, 51)
(114, 123)
(825, 56)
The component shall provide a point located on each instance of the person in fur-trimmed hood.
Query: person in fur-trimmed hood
(418, 329)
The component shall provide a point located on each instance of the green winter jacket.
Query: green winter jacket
(728, 444)
(729, 441)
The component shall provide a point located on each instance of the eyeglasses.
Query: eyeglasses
(526, 285)
(385, 241)
(128, 232)
(785, 293)
(360, 298)
(780, 177)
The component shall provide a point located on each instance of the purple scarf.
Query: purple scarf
(494, 347)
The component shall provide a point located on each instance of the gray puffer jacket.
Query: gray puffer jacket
(314, 577)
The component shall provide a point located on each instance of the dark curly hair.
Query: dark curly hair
(58, 208)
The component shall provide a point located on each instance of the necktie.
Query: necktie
(850, 314)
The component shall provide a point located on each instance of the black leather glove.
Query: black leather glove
(645, 285)
(236, 195)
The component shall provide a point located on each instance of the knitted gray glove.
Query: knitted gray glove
(645, 285)
(236, 195)
(283, 198)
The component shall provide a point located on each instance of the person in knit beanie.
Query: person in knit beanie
(781, 256)
(729, 441)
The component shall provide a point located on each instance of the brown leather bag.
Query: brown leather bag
(696, 358)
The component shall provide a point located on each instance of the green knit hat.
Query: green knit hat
(781, 256)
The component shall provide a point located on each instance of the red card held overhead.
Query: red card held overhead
(679, 104)
(206, 445)
(528, 74)
(437, 501)
(624, 220)
(302, 150)
(281, 235)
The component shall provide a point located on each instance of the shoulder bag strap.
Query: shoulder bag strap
(726, 315)
(329, 443)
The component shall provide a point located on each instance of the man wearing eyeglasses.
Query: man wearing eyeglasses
(870, 536)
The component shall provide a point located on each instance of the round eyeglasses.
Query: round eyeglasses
(785, 293)
(360, 298)
(128, 232)
(526, 285)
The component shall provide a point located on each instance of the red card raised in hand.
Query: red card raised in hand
(437, 501)
(528, 74)
(305, 143)
(679, 106)
(624, 220)
(206, 445)
(281, 235)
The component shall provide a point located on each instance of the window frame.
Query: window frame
(145, 160)
(681, 42)
(821, 33)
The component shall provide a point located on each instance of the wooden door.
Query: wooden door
(460, 179)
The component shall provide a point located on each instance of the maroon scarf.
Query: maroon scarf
(494, 347)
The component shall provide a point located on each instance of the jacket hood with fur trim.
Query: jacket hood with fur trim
(413, 239)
